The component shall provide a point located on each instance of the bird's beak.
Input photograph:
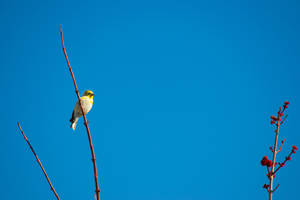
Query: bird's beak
(93, 95)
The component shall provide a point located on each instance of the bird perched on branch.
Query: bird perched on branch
(86, 102)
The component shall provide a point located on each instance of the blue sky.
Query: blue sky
(183, 95)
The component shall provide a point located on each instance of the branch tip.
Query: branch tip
(38, 161)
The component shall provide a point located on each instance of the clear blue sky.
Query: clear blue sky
(183, 95)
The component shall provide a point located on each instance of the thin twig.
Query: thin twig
(282, 164)
(280, 146)
(284, 119)
(276, 187)
(85, 120)
(38, 160)
(271, 149)
(268, 169)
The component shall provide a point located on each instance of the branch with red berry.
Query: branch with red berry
(271, 165)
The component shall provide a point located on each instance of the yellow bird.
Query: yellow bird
(86, 102)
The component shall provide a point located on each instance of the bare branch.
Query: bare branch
(84, 117)
(39, 162)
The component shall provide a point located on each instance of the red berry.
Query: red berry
(274, 118)
(295, 147)
(266, 186)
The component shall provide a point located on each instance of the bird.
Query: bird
(87, 102)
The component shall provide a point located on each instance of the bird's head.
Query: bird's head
(89, 94)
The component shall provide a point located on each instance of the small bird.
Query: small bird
(86, 102)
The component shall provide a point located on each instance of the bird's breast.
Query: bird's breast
(86, 105)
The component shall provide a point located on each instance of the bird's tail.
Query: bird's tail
(73, 121)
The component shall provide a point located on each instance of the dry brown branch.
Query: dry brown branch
(39, 162)
(84, 117)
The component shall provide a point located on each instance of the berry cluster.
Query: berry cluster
(266, 162)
